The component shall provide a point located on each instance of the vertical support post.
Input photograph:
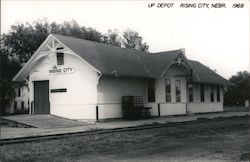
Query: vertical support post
(97, 113)
(32, 112)
(186, 109)
(159, 110)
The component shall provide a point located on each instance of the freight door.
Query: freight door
(41, 97)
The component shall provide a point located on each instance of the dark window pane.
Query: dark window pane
(19, 92)
(212, 94)
(151, 90)
(22, 107)
(60, 57)
(15, 106)
(202, 93)
(168, 90)
(190, 92)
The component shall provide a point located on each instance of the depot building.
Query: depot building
(76, 79)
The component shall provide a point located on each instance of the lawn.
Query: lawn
(221, 139)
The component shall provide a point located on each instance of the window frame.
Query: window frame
(22, 105)
(218, 93)
(177, 91)
(168, 90)
(190, 92)
(151, 90)
(59, 57)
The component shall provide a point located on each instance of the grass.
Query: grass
(236, 109)
(218, 139)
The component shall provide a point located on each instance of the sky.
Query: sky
(217, 37)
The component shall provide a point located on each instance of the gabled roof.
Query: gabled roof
(113, 60)
(157, 63)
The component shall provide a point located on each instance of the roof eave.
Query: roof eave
(226, 83)
(17, 76)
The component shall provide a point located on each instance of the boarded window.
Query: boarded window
(212, 94)
(60, 57)
(168, 90)
(190, 93)
(151, 90)
(178, 90)
(202, 93)
(218, 93)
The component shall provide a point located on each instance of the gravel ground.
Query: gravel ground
(221, 139)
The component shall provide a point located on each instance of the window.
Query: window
(218, 93)
(212, 94)
(15, 106)
(151, 90)
(190, 93)
(168, 90)
(22, 105)
(19, 92)
(178, 90)
(202, 93)
(60, 57)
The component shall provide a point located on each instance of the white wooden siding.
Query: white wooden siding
(81, 97)
(110, 92)
(172, 109)
(202, 107)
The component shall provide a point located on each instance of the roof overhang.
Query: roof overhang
(24, 72)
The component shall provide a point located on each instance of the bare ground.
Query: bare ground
(222, 139)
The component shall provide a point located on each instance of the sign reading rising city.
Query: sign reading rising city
(61, 70)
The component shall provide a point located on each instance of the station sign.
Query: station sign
(61, 70)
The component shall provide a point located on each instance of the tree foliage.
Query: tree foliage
(240, 92)
(8, 69)
(133, 40)
(113, 37)
(24, 39)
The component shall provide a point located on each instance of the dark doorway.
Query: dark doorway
(41, 97)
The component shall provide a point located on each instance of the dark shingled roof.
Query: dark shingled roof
(156, 63)
(206, 75)
(112, 60)
(107, 59)
(125, 62)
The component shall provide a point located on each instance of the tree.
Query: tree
(21, 41)
(8, 69)
(133, 40)
(113, 37)
(240, 92)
